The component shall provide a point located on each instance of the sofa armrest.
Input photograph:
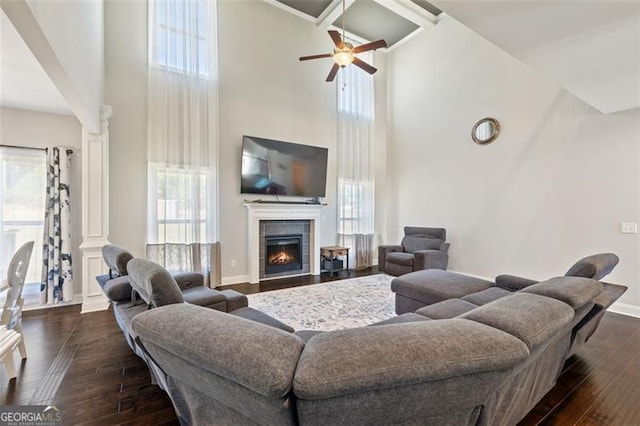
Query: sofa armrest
(513, 282)
(187, 280)
(382, 254)
(430, 259)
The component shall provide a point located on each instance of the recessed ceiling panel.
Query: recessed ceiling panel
(428, 7)
(369, 20)
(310, 7)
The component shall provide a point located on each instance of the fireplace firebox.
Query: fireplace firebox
(283, 253)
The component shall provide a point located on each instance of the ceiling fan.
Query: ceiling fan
(344, 52)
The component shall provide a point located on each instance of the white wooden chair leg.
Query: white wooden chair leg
(22, 348)
(9, 365)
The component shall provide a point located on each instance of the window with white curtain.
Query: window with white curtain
(178, 36)
(182, 131)
(356, 185)
(23, 180)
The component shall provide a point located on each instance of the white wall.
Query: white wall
(126, 92)
(264, 91)
(74, 30)
(41, 130)
(552, 188)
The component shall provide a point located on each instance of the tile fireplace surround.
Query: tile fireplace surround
(257, 212)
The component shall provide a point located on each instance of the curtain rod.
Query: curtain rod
(69, 151)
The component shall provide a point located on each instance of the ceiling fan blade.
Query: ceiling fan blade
(365, 66)
(332, 73)
(306, 58)
(337, 40)
(370, 46)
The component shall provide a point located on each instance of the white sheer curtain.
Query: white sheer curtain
(356, 111)
(182, 133)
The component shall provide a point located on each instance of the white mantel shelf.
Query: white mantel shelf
(265, 211)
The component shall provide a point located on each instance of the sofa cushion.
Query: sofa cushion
(446, 309)
(118, 289)
(596, 266)
(408, 317)
(400, 258)
(260, 358)
(205, 296)
(485, 296)
(116, 258)
(573, 291)
(434, 285)
(345, 362)
(153, 283)
(532, 318)
(412, 244)
(261, 317)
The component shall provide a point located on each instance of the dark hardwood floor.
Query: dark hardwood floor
(82, 364)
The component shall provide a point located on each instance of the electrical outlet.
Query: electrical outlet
(233, 263)
(629, 228)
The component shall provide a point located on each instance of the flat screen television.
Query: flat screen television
(282, 168)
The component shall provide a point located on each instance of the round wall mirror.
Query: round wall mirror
(485, 131)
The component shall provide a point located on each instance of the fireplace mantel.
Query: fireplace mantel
(258, 211)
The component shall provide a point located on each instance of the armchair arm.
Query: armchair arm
(513, 282)
(444, 247)
(188, 280)
(382, 254)
(430, 259)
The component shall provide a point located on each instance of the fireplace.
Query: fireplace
(282, 253)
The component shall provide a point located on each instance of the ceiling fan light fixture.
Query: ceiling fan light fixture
(343, 57)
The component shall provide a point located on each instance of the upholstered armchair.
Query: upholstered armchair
(421, 248)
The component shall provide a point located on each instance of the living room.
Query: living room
(556, 185)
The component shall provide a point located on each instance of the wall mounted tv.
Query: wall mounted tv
(282, 168)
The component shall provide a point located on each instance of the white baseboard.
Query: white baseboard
(625, 309)
(235, 279)
(94, 305)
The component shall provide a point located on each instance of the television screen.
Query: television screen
(282, 168)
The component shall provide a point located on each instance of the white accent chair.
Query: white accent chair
(11, 320)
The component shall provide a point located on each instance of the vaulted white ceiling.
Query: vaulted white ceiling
(591, 48)
(23, 82)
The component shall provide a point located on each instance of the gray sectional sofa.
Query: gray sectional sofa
(149, 285)
(443, 294)
(450, 363)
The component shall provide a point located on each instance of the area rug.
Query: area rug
(334, 305)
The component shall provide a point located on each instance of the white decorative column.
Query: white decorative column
(95, 211)
(257, 212)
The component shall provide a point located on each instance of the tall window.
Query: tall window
(23, 180)
(356, 111)
(179, 36)
(182, 133)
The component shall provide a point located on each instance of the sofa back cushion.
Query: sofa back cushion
(153, 283)
(419, 238)
(222, 361)
(596, 266)
(574, 291)
(531, 318)
(116, 259)
(362, 375)
(412, 244)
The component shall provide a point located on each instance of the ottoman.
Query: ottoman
(422, 288)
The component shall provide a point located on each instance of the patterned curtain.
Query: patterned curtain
(57, 276)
